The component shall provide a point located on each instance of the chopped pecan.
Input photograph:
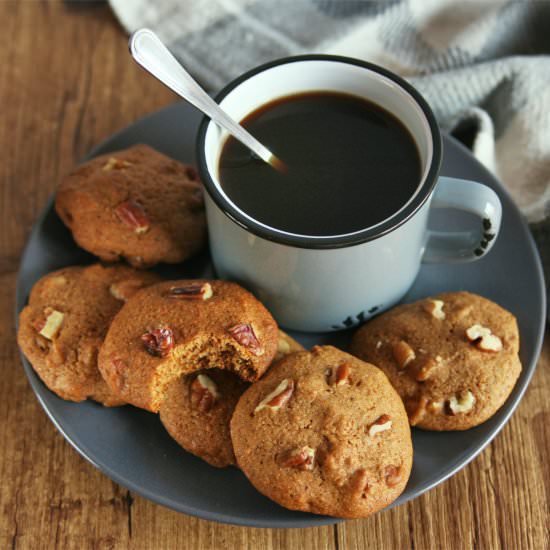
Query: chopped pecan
(435, 407)
(124, 290)
(115, 164)
(190, 291)
(403, 353)
(159, 341)
(435, 308)
(463, 402)
(204, 393)
(417, 413)
(426, 370)
(392, 475)
(301, 459)
(360, 483)
(50, 326)
(42, 344)
(340, 375)
(244, 335)
(278, 397)
(132, 214)
(381, 424)
(483, 338)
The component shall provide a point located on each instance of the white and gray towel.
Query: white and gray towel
(484, 66)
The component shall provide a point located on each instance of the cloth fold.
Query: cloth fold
(481, 64)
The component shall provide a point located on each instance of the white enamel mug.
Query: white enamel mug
(325, 283)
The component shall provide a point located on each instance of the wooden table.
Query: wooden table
(66, 83)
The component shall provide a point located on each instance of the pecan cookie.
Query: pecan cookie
(178, 327)
(285, 345)
(453, 358)
(136, 204)
(197, 408)
(65, 322)
(324, 432)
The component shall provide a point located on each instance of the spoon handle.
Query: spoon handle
(148, 50)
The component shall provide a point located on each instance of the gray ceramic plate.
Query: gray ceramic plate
(132, 448)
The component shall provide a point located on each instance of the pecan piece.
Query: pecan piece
(463, 402)
(435, 308)
(416, 414)
(204, 393)
(426, 370)
(403, 353)
(301, 459)
(51, 325)
(115, 164)
(339, 375)
(42, 344)
(190, 291)
(360, 483)
(159, 341)
(244, 335)
(392, 475)
(132, 214)
(124, 290)
(278, 397)
(435, 407)
(381, 424)
(483, 338)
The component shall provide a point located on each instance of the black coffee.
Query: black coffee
(351, 164)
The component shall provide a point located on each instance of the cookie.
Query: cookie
(197, 408)
(196, 412)
(324, 432)
(178, 327)
(64, 324)
(136, 204)
(453, 358)
(285, 345)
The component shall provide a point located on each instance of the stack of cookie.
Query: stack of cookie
(321, 430)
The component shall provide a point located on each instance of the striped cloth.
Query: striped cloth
(484, 67)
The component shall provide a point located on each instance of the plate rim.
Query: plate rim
(310, 520)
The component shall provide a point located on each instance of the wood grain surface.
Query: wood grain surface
(66, 83)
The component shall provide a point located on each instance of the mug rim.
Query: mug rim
(320, 242)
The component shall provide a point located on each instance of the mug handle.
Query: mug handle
(464, 246)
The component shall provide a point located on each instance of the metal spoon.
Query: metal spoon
(148, 51)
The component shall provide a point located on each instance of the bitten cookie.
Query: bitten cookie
(324, 432)
(452, 358)
(178, 327)
(197, 409)
(62, 328)
(136, 204)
